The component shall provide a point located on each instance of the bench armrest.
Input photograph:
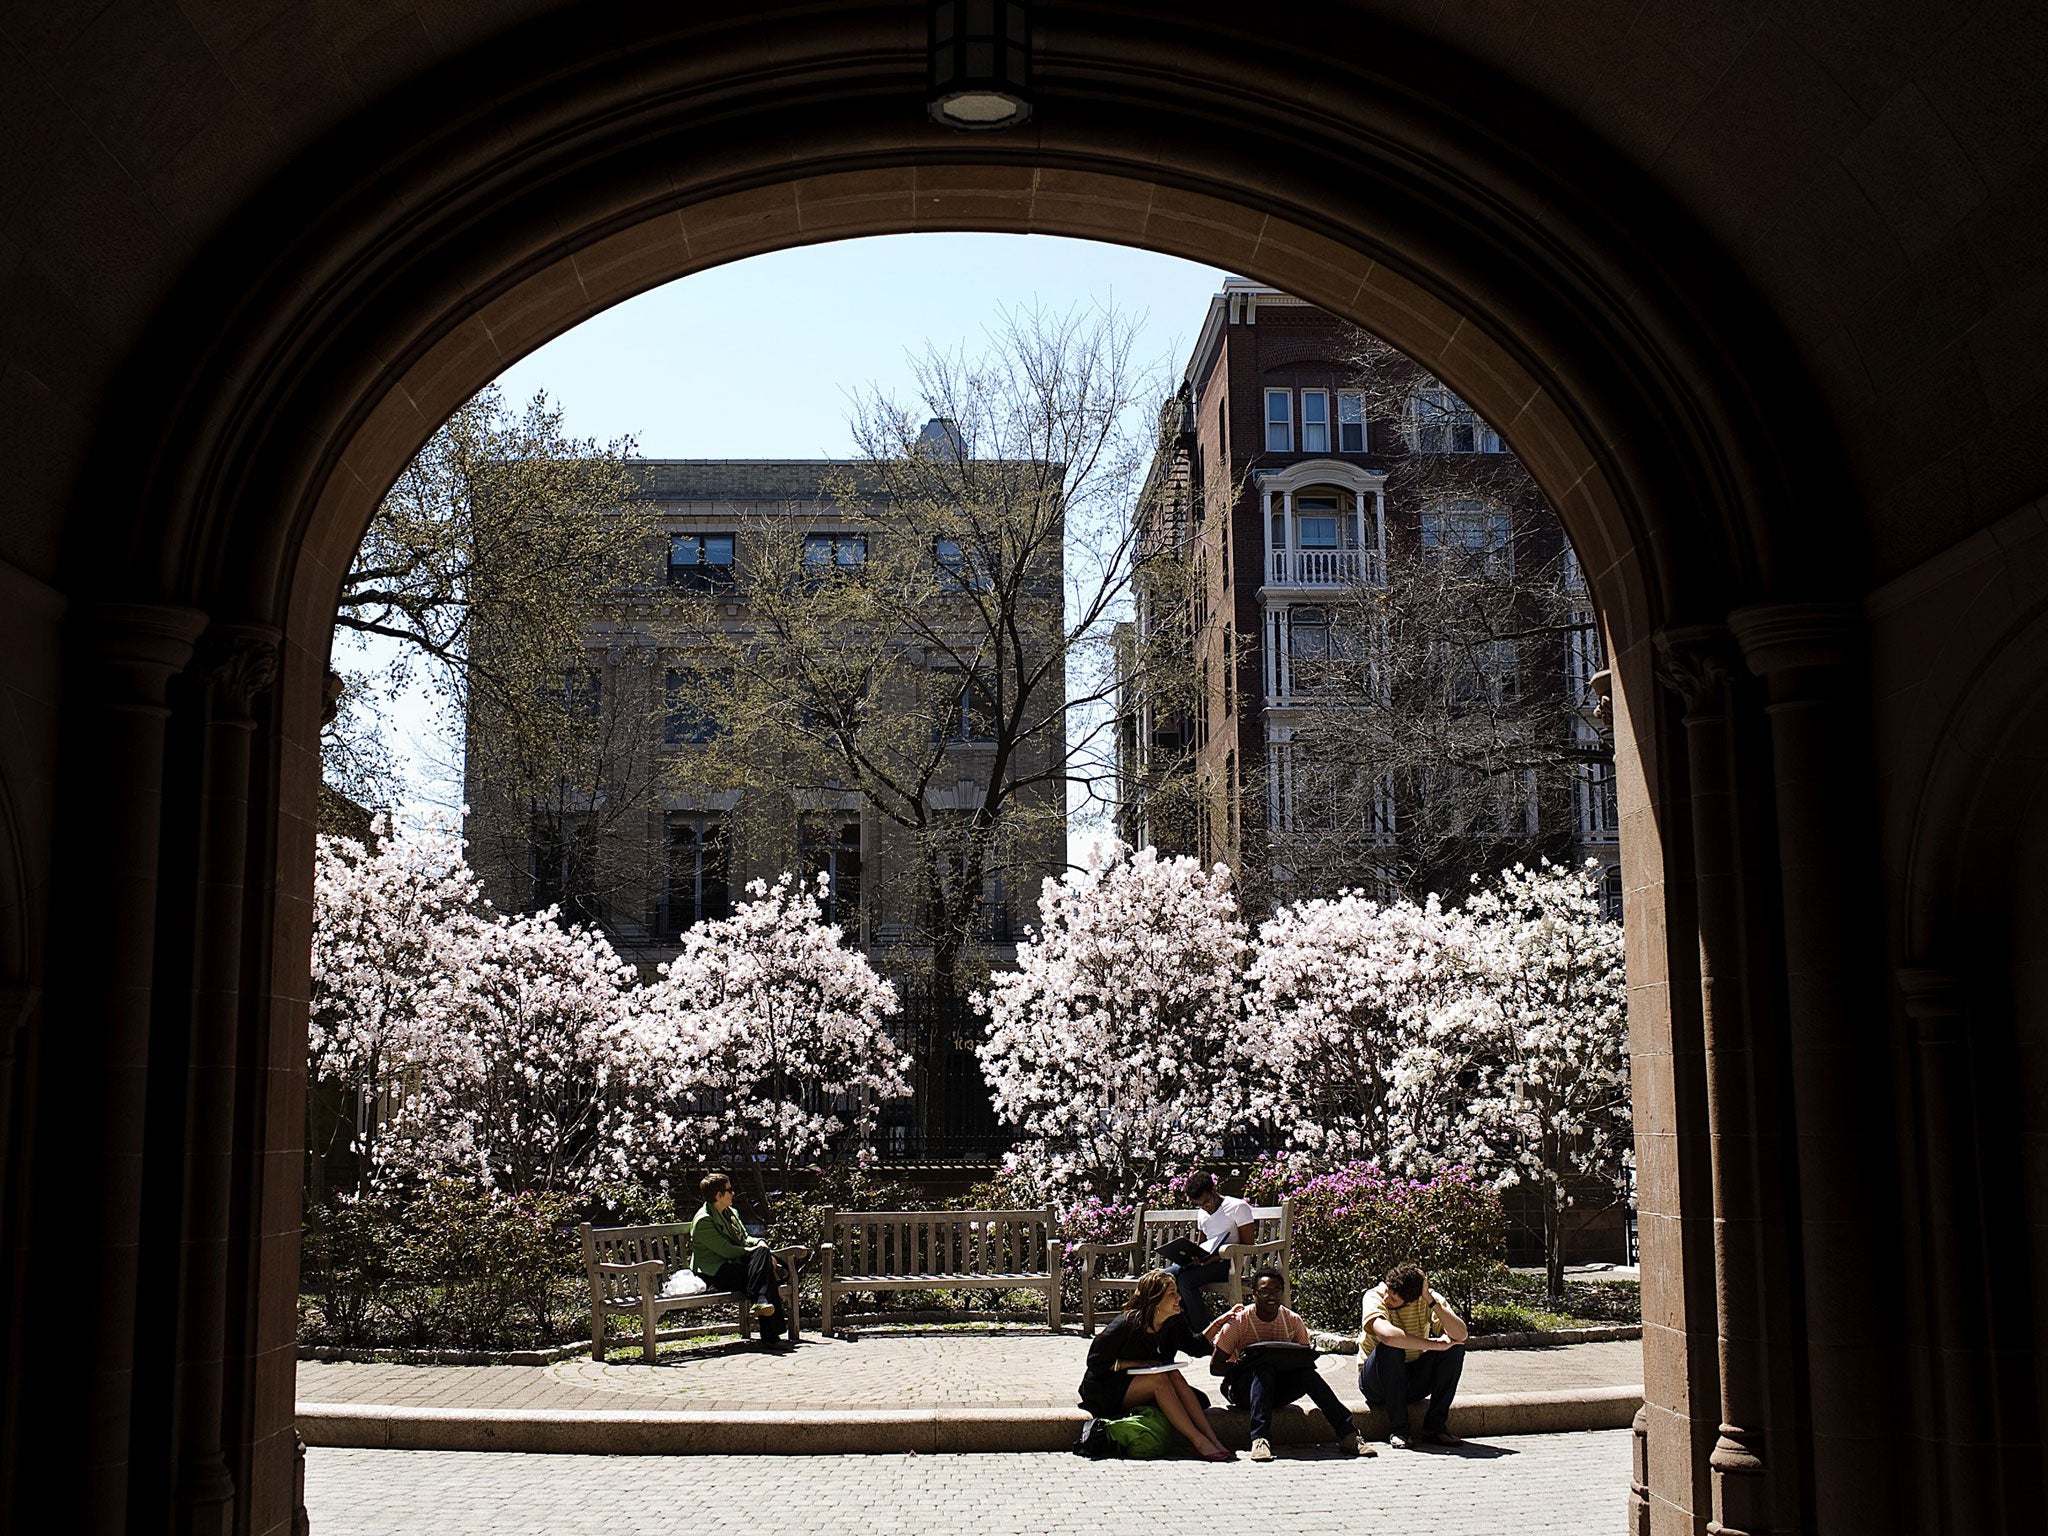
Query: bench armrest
(792, 1256)
(1252, 1250)
(645, 1266)
(1082, 1250)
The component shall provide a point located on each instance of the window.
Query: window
(953, 835)
(835, 551)
(699, 884)
(582, 693)
(1279, 421)
(1308, 635)
(691, 716)
(828, 843)
(562, 868)
(1315, 421)
(1487, 676)
(700, 561)
(957, 573)
(1351, 422)
(1318, 527)
(970, 710)
(1480, 537)
(1439, 422)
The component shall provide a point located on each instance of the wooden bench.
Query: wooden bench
(938, 1251)
(1153, 1230)
(627, 1267)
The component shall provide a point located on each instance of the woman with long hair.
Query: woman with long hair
(1150, 1331)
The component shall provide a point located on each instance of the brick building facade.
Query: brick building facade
(1306, 473)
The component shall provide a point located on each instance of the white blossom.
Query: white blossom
(1549, 1106)
(1114, 1047)
(1361, 1014)
(765, 1039)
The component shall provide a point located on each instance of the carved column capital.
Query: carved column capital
(240, 666)
(1937, 1001)
(137, 648)
(1696, 662)
(1796, 637)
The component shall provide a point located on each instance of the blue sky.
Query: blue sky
(755, 360)
(759, 359)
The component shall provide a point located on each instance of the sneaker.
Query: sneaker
(1262, 1450)
(1401, 1442)
(1351, 1445)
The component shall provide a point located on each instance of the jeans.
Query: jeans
(1189, 1282)
(1390, 1380)
(1263, 1388)
(756, 1278)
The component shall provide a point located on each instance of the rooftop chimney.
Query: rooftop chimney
(940, 438)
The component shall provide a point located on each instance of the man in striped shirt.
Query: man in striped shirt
(1263, 1385)
(1412, 1347)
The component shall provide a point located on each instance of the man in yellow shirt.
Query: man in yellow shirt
(1411, 1347)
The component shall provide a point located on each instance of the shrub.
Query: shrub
(453, 1266)
(1358, 1221)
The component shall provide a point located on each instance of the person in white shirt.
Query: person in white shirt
(1225, 1219)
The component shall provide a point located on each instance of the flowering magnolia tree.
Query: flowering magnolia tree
(1360, 1011)
(1550, 1108)
(521, 1086)
(764, 1042)
(394, 930)
(1114, 1046)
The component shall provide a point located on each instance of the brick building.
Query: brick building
(1318, 485)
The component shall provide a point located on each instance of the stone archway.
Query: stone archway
(359, 302)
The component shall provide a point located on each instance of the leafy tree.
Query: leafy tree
(476, 578)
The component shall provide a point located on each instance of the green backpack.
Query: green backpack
(1142, 1436)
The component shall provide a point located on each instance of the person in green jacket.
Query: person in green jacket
(729, 1260)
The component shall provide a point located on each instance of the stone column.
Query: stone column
(1838, 1056)
(1963, 1369)
(1639, 1474)
(239, 664)
(1698, 664)
(84, 1253)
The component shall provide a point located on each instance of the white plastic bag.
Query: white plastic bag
(685, 1282)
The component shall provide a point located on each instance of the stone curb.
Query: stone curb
(1541, 1338)
(881, 1431)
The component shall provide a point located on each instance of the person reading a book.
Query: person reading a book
(1262, 1352)
(730, 1260)
(1411, 1348)
(1224, 1219)
(1131, 1365)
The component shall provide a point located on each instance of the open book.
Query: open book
(1151, 1370)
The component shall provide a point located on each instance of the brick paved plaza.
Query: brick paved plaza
(929, 1371)
(1537, 1485)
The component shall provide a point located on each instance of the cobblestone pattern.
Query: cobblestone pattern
(1539, 1485)
(938, 1371)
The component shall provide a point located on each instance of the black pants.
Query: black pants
(1189, 1280)
(1263, 1388)
(1390, 1380)
(755, 1278)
